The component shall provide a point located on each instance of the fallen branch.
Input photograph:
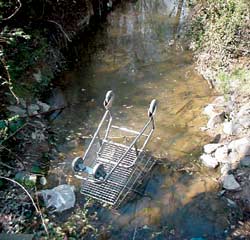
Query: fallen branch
(33, 202)
(61, 28)
(15, 12)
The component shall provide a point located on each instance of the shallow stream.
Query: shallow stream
(139, 53)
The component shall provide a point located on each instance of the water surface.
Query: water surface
(139, 54)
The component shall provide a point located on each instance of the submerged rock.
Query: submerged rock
(230, 183)
(209, 161)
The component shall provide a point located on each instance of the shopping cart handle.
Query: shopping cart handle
(152, 108)
(108, 99)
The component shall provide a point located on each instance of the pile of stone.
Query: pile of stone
(231, 120)
(24, 109)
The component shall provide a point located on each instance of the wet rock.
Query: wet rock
(221, 154)
(245, 162)
(44, 106)
(230, 183)
(216, 119)
(242, 146)
(209, 161)
(17, 110)
(211, 147)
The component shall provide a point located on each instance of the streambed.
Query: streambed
(139, 53)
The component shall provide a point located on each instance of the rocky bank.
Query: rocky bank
(229, 126)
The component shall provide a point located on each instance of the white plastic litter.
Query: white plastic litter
(59, 198)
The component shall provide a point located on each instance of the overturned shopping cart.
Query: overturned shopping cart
(111, 170)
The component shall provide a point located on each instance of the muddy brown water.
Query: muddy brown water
(139, 54)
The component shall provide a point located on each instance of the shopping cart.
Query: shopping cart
(111, 170)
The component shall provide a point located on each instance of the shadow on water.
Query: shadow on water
(138, 54)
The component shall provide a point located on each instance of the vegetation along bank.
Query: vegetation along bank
(220, 32)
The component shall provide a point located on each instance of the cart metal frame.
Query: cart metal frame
(111, 170)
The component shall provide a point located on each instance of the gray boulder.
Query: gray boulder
(44, 106)
(209, 161)
(33, 108)
(242, 146)
(209, 110)
(232, 127)
(230, 183)
(221, 154)
(225, 169)
(244, 110)
(211, 147)
(216, 119)
(245, 162)
(245, 121)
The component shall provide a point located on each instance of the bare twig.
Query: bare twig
(61, 28)
(135, 232)
(32, 200)
(15, 12)
(9, 80)
(6, 165)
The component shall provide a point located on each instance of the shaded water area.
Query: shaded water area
(139, 54)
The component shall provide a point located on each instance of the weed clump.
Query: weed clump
(220, 33)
